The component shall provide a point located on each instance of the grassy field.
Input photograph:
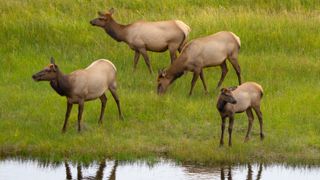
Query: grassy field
(280, 50)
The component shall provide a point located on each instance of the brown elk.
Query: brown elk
(143, 36)
(201, 53)
(245, 97)
(82, 85)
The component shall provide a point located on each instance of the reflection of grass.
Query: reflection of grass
(280, 50)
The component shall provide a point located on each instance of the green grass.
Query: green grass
(280, 51)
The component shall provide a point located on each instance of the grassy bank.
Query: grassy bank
(280, 50)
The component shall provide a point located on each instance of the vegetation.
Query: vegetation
(280, 51)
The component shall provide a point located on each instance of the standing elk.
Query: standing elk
(201, 53)
(143, 36)
(237, 100)
(82, 85)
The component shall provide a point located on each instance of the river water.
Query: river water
(12, 169)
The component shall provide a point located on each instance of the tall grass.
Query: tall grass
(280, 50)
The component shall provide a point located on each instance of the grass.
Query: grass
(280, 50)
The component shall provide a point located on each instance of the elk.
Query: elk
(82, 85)
(201, 53)
(143, 36)
(233, 100)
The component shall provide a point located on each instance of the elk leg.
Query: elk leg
(236, 66)
(203, 82)
(224, 71)
(135, 60)
(259, 114)
(230, 130)
(146, 59)
(250, 121)
(223, 125)
(69, 107)
(103, 100)
(80, 111)
(116, 98)
(193, 82)
(173, 54)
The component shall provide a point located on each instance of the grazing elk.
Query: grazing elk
(233, 100)
(142, 36)
(82, 85)
(201, 53)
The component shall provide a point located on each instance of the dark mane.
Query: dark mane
(221, 104)
(115, 30)
(61, 84)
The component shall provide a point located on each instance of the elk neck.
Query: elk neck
(221, 104)
(176, 69)
(115, 30)
(61, 84)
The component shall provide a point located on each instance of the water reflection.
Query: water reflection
(250, 172)
(99, 173)
(224, 172)
(18, 169)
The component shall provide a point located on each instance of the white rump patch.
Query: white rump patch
(114, 67)
(237, 38)
(185, 28)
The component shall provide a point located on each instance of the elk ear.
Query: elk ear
(101, 13)
(162, 72)
(53, 66)
(232, 88)
(223, 90)
(111, 11)
(52, 60)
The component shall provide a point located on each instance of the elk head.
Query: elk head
(103, 19)
(48, 73)
(226, 95)
(163, 82)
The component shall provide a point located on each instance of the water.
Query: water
(164, 170)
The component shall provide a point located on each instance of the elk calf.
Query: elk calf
(245, 97)
(82, 85)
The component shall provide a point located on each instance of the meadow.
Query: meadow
(280, 50)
